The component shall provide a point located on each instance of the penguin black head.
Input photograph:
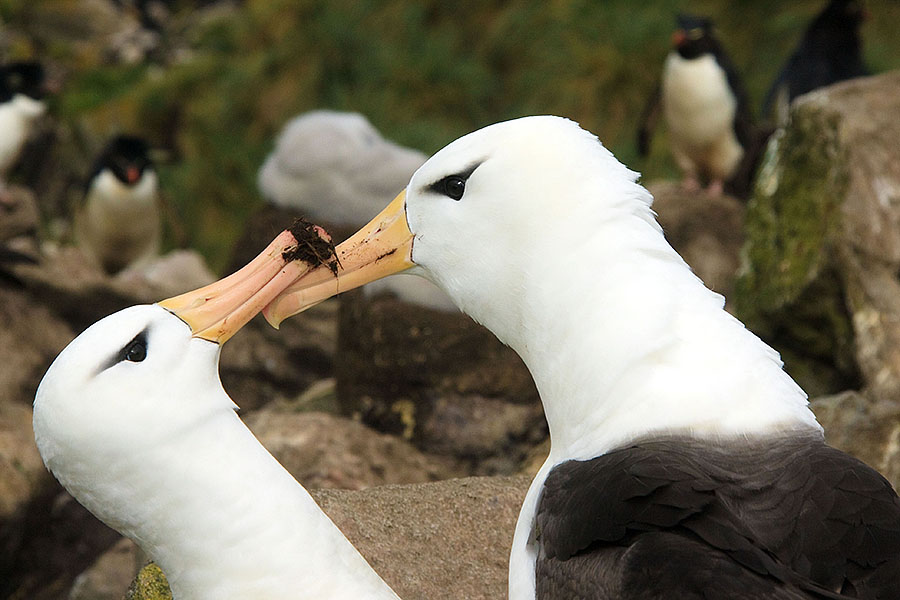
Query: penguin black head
(127, 157)
(26, 78)
(694, 37)
(842, 14)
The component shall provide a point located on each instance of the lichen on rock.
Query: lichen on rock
(150, 584)
(788, 290)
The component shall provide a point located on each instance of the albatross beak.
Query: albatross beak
(217, 311)
(381, 248)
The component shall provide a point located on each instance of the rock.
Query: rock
(822, 250)
(21, 476)
(18, 213)
(31, 335)
(707, 232)
(822, 256)
(428, 375)
(94, 31)
(324, 451)
(449, 539)
(854, 423)
(21, 469)
(261, 365)
(63, 540)
(110, 576)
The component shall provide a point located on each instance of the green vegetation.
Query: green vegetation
(424, 72)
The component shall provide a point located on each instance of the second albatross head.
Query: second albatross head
(463, 217)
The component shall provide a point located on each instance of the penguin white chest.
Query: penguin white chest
(700, 108)
(16, 118)
(120, 225)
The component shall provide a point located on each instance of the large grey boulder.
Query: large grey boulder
(819, 280)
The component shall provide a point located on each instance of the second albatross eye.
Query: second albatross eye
(453, 186)
(136, 351)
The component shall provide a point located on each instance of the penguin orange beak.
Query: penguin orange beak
(381, 248)
(678, 38)
(132, 174)
(217, 311)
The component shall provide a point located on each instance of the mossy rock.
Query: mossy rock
(149, 584)
(789, 291)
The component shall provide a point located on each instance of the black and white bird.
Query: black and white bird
(118, 225)
(684, 461)
(132, 419)
(22, 94)
(705, 107)
(829, 52)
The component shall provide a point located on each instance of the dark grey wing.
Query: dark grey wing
(649, 118)
(657, 566)
(787, 519)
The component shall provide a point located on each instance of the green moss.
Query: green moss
(788, 291)
(150, 584)
(793, 212)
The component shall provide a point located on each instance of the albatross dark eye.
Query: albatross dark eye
(453, 186)
(136, 349)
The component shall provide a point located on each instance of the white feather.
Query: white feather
(700, 107)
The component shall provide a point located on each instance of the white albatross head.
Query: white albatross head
(124, 386)
(133, 420)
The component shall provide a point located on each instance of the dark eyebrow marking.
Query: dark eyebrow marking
(464, 175)
(119, 356)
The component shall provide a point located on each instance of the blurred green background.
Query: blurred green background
(424, 73)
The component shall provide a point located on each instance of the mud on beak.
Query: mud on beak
(217, 311)
(381, 248)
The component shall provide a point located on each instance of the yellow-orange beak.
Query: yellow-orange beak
(216, 312)
(381, 248)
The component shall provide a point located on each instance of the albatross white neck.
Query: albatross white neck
(235, 516)
(635, 344)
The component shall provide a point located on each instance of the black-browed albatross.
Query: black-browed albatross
(132, 419)
(684, 462)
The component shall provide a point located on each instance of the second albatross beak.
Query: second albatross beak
(217, 311)
(381, 248)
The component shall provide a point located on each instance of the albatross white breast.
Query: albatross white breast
(132, 419)
(684, 461)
